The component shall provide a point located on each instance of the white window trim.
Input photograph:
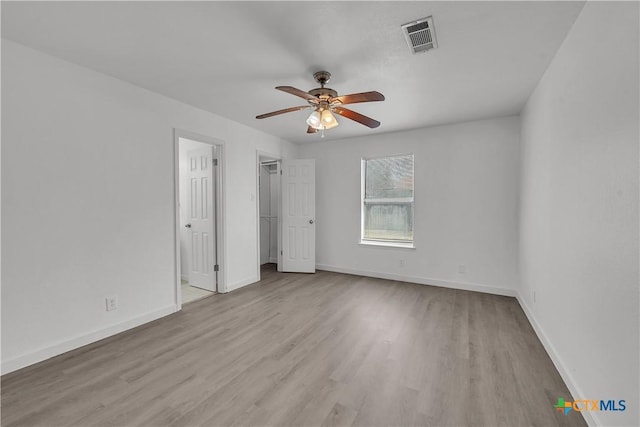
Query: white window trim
(387, 243)
(389, 200)
(380, 242)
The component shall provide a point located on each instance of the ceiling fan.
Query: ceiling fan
(324, 102)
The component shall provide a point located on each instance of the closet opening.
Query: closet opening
(268, 213)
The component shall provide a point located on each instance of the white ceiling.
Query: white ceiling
(227, 57)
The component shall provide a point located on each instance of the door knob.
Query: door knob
(188, 225)
(310, 221)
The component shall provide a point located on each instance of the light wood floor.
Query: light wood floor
(324, 349)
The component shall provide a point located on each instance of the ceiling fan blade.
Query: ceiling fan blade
(359, 97)
(311, 130)
(350, 114)
(286, 110)
(297, 92)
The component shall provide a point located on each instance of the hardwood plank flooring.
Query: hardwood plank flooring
(326, 349)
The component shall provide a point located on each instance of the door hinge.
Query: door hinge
(280, 252)
(215, 162)
(216, 267)
(280, 171)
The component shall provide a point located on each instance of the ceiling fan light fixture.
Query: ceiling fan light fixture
(315, 120)
(328, 119)
(325, 102)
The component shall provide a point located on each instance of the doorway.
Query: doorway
(198, 217)
(268, 174)
(269, 192)
(292, 211)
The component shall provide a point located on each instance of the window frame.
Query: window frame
(410, 244)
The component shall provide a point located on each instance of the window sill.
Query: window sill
(386, 244)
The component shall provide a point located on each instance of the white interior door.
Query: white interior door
(201, 218)
(298, 216)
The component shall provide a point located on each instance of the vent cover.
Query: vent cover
(420, 35)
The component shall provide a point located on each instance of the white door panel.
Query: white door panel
(298, 216)
(202, 219)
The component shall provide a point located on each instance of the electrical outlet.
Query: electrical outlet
(462, 269)
(111, 303)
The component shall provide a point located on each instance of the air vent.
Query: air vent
(420, 35)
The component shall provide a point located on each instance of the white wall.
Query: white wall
(579, 224)
(466, 198)
(87, 202)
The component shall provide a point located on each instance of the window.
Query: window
(387, 201)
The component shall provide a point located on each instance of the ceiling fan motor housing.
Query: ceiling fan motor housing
(323, 93)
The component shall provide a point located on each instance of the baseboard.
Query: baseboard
(273, 260)
(185, 278)
(590, 418)
(241, 283)
(476, 287)
(82, 340)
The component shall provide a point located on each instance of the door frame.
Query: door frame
(220, 199)
(270, 157)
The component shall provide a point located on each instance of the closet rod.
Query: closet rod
(270, 162)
